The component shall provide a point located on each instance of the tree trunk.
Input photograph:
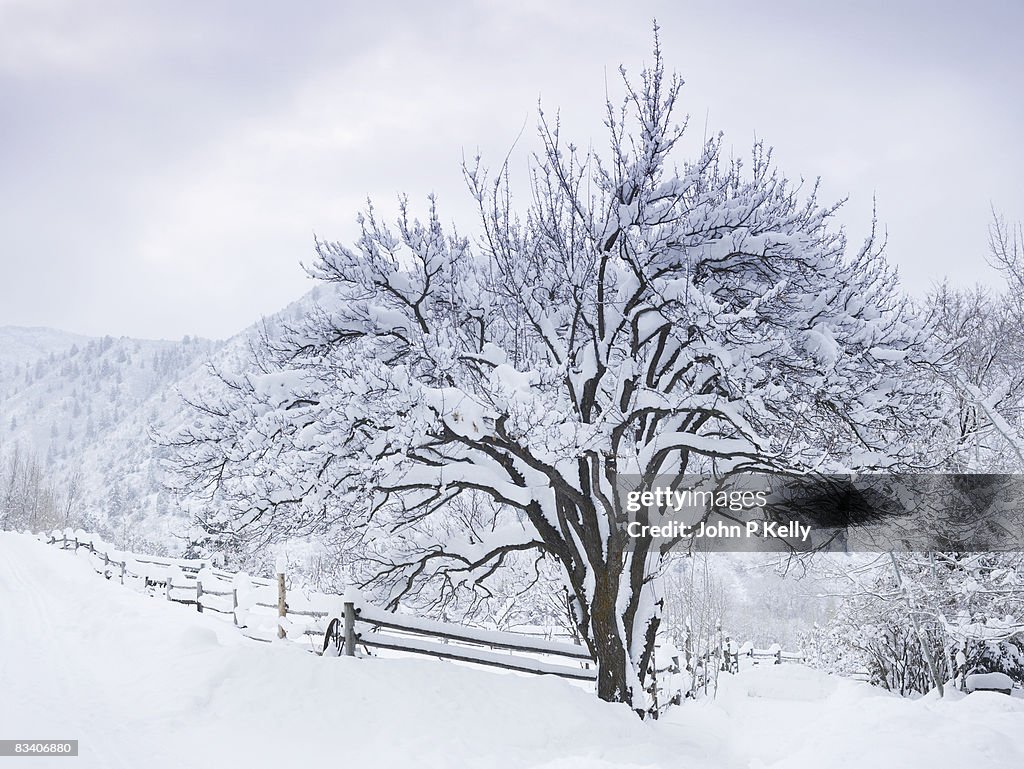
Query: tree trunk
(609, 649)
(619, 677)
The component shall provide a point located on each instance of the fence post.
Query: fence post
(778, 656)
(282, 606)
(350, 629)
(170, 581)
(106, 564)
(234, 606)
(199, 594)
(122, 571)
(76, 543)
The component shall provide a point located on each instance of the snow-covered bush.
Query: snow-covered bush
(964, 610)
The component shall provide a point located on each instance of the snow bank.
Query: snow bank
(143, 682)
(792, 717)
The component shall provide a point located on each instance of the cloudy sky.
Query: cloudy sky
(164, 165)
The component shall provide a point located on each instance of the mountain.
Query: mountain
(77, 415)
(21, 346)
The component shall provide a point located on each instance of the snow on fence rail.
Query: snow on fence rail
(263, 610)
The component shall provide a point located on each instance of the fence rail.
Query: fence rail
(350, 623)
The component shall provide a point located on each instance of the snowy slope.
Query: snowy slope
(141, 682)
(20, 345)
(85, 411)
(86, 407)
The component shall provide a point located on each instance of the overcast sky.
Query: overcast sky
(164, 165)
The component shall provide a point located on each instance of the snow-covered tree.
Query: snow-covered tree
(967, 607)
(983, 329)
(641, 316)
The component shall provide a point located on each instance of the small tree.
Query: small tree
(634, 320)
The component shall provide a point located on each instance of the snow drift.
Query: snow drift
(141, 682)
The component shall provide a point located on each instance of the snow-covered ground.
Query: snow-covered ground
(143, 683)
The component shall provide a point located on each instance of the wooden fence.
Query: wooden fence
(121, 565)
(196, 583)
(361, 625)
(340, 626)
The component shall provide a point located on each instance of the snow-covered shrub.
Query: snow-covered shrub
(964, 610)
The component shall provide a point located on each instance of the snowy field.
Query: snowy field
(143, 683)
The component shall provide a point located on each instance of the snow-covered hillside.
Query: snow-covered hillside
(140, 682)
(85, 408)
(83, 413)
(19, 345)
